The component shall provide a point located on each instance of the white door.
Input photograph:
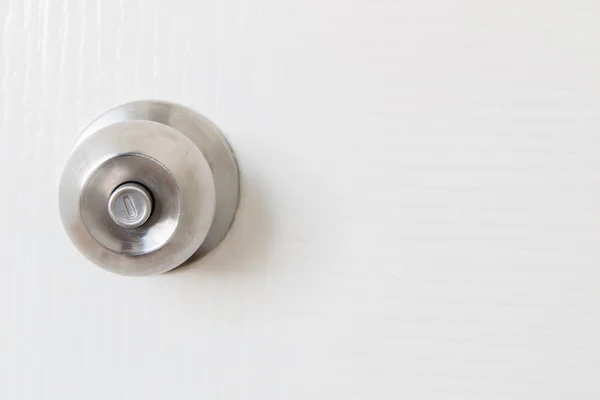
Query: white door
(420, 216)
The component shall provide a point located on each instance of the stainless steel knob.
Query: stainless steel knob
(149, 185)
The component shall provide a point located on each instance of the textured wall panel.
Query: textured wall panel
(420, 214)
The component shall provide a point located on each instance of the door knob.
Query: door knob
(148, 185)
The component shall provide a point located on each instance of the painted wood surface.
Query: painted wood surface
(420, 214)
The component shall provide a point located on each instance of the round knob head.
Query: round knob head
(148, 185)
(130, 205)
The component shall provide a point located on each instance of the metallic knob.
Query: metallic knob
(149, 185)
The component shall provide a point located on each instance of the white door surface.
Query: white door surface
(420, 212)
